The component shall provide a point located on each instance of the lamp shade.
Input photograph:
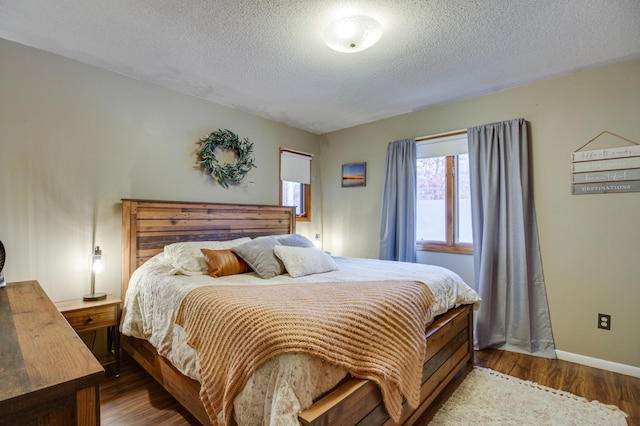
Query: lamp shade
(353, 33)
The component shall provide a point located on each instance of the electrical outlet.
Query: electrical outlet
(604, 321)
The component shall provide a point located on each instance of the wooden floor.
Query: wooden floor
(136, 399)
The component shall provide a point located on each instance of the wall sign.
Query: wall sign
(607, 170)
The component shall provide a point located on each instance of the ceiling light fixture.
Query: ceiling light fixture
(353, 34)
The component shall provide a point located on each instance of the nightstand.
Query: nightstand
(93, 315)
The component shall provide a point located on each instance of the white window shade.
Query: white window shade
(295, 167)
(441, 147)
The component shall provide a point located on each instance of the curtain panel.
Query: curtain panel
(514, 313)
(398, 222)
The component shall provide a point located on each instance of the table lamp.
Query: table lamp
(96, 264)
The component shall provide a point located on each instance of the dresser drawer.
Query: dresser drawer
(92, 318)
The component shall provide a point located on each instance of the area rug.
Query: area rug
(486, 397)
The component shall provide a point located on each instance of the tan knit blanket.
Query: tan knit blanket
(374, 330)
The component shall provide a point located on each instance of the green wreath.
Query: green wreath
(229, 173)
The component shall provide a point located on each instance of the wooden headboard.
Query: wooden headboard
(147, 226)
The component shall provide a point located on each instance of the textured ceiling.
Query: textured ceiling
(267, 57)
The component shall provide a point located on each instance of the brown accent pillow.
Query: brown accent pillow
(224, 262)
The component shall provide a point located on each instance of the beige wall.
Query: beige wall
(75, 139)
(590, 243)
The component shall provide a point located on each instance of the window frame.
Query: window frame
(306, 187)
(450, 245)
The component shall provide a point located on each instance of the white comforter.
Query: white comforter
(287, 384)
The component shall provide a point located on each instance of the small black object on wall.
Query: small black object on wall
(3, 256)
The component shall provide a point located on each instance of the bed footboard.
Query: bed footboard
(449, 351)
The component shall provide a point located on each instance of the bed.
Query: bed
(149, 226)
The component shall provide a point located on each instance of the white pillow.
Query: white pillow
(301, 261)
(187, 259)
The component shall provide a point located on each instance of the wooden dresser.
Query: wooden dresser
(47, 373)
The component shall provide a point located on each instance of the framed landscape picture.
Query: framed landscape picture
(354, 174)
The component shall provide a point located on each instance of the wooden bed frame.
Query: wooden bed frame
(147, 226)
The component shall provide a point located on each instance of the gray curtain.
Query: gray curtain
(398, 224)
(514, 314)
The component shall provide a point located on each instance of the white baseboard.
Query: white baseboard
(599, 363)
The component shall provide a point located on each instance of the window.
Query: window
(444, 204)
(295, 182)
(296, 194)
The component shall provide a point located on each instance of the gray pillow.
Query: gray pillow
(258, 253)
(296, 240)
